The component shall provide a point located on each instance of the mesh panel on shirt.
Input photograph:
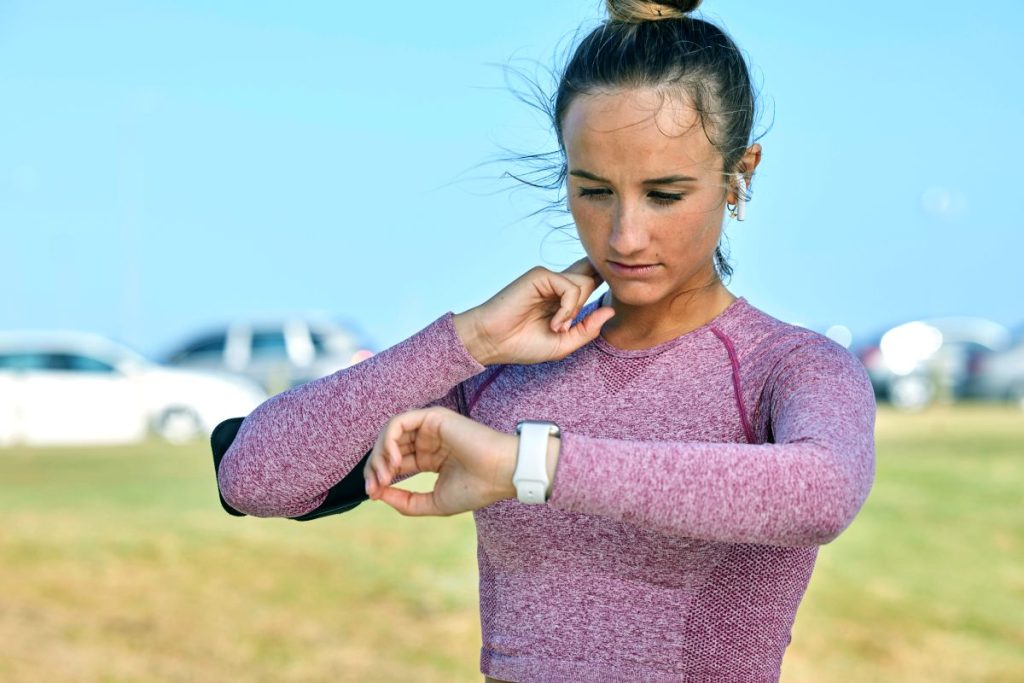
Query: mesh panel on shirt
(619, 374)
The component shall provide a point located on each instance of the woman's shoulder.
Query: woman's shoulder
(778, 351)
(781, 338)
(799, 356)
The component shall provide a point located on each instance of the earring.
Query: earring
(739, 209)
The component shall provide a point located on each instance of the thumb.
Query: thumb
(408, 503)
(589, 328)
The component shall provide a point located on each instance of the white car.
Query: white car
(276, 353)
(914, 363)
(63, 388)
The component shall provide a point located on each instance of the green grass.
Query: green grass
(117, 564)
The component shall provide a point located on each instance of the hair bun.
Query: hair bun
(636, 11)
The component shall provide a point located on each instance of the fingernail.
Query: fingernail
(566, 326)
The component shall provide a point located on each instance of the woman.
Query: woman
(661, 518)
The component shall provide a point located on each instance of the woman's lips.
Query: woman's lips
(632, 271)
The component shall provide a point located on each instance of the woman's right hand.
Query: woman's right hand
(530, 320)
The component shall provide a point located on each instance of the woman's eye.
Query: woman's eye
(665, 197)
(594, 192)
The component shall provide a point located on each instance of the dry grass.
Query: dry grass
(928, 583)
(118, 565)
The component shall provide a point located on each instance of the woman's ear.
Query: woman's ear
(747, 165)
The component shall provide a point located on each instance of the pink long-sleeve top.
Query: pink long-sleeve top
(697, 479)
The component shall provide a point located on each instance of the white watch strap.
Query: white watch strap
(531, 475)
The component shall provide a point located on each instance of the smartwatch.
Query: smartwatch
(531, 475)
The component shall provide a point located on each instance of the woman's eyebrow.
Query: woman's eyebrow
(580, 173)
(669, 179)
(666, 180)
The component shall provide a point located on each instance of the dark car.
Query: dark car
(999, 375)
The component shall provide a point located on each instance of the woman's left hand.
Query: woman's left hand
(474, 462)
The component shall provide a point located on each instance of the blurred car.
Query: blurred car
(276, 354)
(913, 364)
(80, 388)
(999, 375)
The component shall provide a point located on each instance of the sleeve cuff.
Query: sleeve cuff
(460, 355)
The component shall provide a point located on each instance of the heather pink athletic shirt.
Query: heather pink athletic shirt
(696, 480)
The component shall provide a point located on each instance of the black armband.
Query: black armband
(342, 497)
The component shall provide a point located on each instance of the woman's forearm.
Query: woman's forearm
(296, 445)
(804, 489)
(774, 494)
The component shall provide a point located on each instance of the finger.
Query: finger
(379, 458)
(580, 279)
(587, 287)
(381, 472)
(371, 481)
(369, 476)
(400, 429)
(395, 451)
(569, 298)
(409, 503)
(410, 465)
(376, 453)
(590, 327)
(411, 420)
(585, 266)
(406, 462)
(390, 458)
(410, 443)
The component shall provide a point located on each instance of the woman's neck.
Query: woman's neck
(643, 327)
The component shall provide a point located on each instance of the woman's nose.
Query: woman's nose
(628, 236)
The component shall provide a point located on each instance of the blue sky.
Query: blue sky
(166, 166)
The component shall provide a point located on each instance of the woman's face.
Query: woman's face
(645, 188)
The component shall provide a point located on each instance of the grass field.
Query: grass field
(118, 565)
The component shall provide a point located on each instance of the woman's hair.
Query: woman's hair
(649, 44)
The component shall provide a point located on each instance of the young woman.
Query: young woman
(659, 518)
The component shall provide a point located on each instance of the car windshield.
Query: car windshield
(268, 344)
(23, 361)
(212, 345)
(66, 362)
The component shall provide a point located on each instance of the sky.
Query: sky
(168, 166)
